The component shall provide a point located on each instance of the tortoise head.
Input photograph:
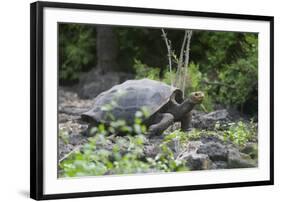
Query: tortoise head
(196, 97)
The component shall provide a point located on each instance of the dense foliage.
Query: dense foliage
(76, 50)
(222, 64)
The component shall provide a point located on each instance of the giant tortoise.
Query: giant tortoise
(163, 105)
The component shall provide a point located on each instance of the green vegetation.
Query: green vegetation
(237, 133)
(64, 136)
(105, 153)
(76, 50)
(240, 133)
(222, 64)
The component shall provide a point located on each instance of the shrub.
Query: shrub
(240, 133)
(106, 153)
(76, 50)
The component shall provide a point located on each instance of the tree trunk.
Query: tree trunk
(99, 78)
(107, 49)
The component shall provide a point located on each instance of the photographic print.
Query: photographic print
(134, 100)
(141, 100)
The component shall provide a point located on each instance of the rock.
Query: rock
(217, 115)
(151, 146)
(216, 151)
(71, 138)
(219, 165)
(195, 161)
(75, 139)
(91, 90)
(208, 121)
(64, 149)
(64, 118)
(151, 150)
(175, 146)
(70, 106)
(239, 160)
(101, 82)
(193, 146)
(205, 138)
(173, 127)
(73, 110)
(212, 153)
(251, 149)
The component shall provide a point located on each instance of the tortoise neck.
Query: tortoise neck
(185, 107)
(180, 110)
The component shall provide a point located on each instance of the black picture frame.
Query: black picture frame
(37, 99)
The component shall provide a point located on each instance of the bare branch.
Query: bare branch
(70, 153)
(180, 62)
(182, 50)
(168, 45)
(186, 61)
(187, 49)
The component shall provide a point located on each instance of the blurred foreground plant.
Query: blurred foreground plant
(107, 153)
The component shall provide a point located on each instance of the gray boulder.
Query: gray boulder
(219, 165)
(212, 153)
(195, 161)
(208, 121)
(91, 87)
(251, 149)
(237, 159)
(215, 150)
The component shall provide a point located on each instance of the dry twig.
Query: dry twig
(186, 61)
(168, 45)
(180, 61)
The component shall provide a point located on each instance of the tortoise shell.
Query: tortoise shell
(124, 100)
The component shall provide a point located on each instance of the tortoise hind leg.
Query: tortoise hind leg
(88, 132)
(163, 121)
(185, 122)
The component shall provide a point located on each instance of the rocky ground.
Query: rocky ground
(206, 152)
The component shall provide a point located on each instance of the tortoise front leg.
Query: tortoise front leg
(163, 121)
(186, 121)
